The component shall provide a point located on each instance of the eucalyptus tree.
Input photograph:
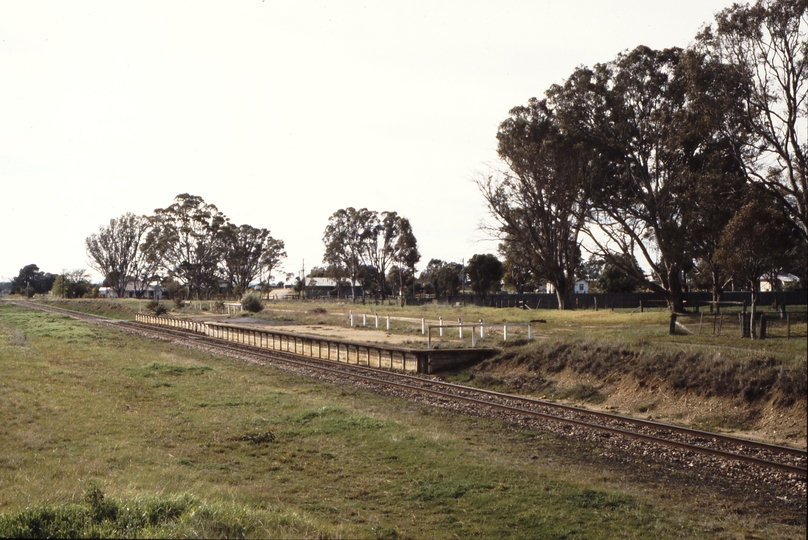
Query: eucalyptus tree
(405, 252)
(187, 239)
(246, 252)
(651, 117)
(344, 243)
(539, 203)
(117, 253)
(767, 44)
(379, 239)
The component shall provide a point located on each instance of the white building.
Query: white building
(767, 284)
(581, 287)
(152, 292)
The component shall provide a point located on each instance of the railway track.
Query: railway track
(677, 443)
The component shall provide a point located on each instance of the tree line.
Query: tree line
(189, 246)
(661, 163)
(677, 160)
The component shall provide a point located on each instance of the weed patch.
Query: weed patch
(258, 437)
(159, 368)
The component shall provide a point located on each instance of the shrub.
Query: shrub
(251, 302)
(156, 307)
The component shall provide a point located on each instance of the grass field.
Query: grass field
(111, 435)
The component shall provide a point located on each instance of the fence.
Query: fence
(620, 301)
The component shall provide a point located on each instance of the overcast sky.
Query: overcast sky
(281, 113)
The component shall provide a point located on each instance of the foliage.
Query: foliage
(252, 302)
(655, 131)
(485, 274)
(613, 279)
(445, 277)
(357, 238)
(343, 241)
(757, 241)
(767, 45)
(156, 307)
(117, 253)
(539, 203)
(75, 284)
(246, 252)
(187, 238)
(31, 281)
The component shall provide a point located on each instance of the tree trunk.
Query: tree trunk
(562, 299)
(676, 301)
(752, 310)
(718, 290)
(560, 283)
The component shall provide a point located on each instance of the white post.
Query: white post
(440, 322)
(364, 319)
(505, 332)
(350, 316)
(473, 338)
(377, 320)
(460, 322)
(388, 322)
(529, 332)
(423, 326)
(482, 328)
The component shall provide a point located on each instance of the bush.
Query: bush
(251, 302)
(156, 307)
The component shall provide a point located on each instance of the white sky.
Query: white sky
(281, 112)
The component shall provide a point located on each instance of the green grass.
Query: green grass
(105, 434)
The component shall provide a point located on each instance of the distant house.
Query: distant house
(581, 287)
(321, 283)
(152, 292)
(321, 286)
(767, 283)
(106, 292)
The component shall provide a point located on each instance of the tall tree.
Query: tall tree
(645, 116)
(187, 238)
(405, 253)
(343, 241)
(246, 251)
(485, 274)
(767, 43)
(116, 252)
(32, 281)
(539, 203)
(379, 240)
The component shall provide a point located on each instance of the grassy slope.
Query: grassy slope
(259, 452)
